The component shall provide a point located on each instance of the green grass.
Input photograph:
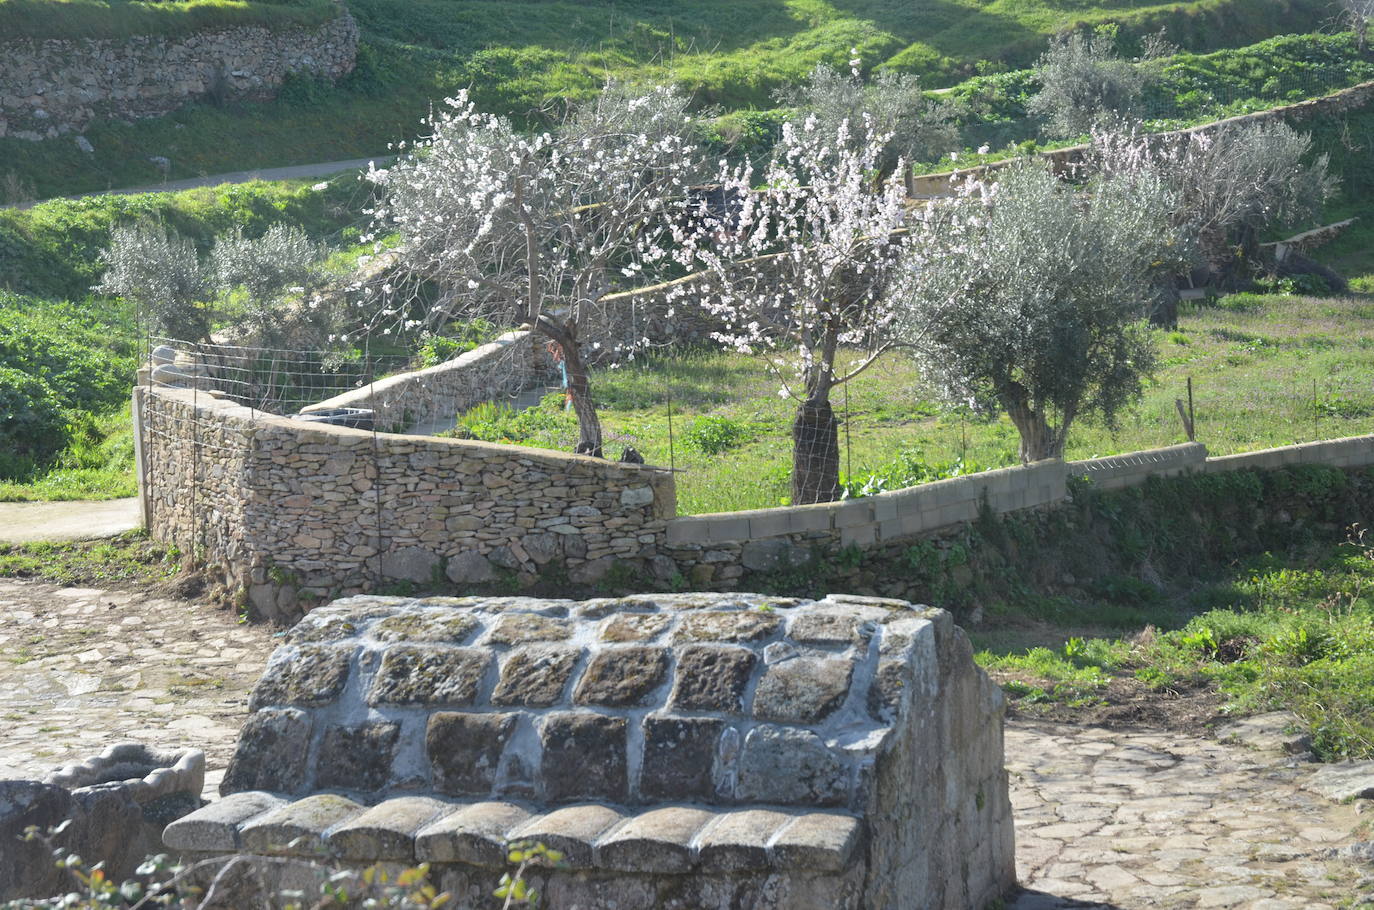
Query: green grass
(122, 18)
(130, 557)
(521, 56)
(97, 464)
(1293, 632)
(1253, 360)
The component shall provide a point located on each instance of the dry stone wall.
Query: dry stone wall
(301, 512)
(52, 87)
(502, 368)
(681, 750)
(292, 507)
(1355, 98)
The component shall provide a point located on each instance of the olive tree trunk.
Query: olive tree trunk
(1039, 439)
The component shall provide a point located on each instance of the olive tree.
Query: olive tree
(283, 262)
(539, 228)
(1026, 295)
(892, 106)
(795, 271)
(1084, 83)
(161, 272)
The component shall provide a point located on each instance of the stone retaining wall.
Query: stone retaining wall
(1357, 97)
(296, 508)
(499, 369)
(52, 87)
(290, 507)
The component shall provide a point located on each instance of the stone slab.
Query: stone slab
(476, 834)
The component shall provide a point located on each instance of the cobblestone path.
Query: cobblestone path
(81, 669)
(1105, 818)
(1111, 818)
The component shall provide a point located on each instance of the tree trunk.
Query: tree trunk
(1039, 440)
(580, 391)
(815, 453)
(1164, 308)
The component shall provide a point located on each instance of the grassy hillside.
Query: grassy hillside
(519, 56)
(52, 250)
(105, 19)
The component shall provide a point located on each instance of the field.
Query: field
(1267, 370)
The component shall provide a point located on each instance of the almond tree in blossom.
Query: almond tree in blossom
(797, 261)
(538, 228)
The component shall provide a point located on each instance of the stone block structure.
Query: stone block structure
(115, 805)
(56, 86)
(680, 750)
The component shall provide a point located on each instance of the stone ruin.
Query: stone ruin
(692, 750)
(115, 807)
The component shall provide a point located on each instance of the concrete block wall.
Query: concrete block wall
(1131, 469)
(1350, 452)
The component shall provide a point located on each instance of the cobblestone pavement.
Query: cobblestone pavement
(1105, 818)
(1111, 818)
(81, 669)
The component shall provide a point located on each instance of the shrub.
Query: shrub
(712, 435)
(32, 426)
(1084, 84)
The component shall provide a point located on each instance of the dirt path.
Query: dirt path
(1127, 819)
(27, 522)
(293, 172)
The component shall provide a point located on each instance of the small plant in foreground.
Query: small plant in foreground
(513, 886)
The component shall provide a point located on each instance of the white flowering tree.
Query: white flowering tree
(538, 228)
(1229, 185)
(1027, 295)
(796, 267)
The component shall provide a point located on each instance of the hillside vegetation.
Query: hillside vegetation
(520, 56)
(103, 19)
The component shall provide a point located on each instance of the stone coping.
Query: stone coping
(408, 829)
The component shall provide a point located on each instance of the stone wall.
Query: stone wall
(51, 87)
(680, 750)
(294, 508)
(499, 369)
(1355, 98)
